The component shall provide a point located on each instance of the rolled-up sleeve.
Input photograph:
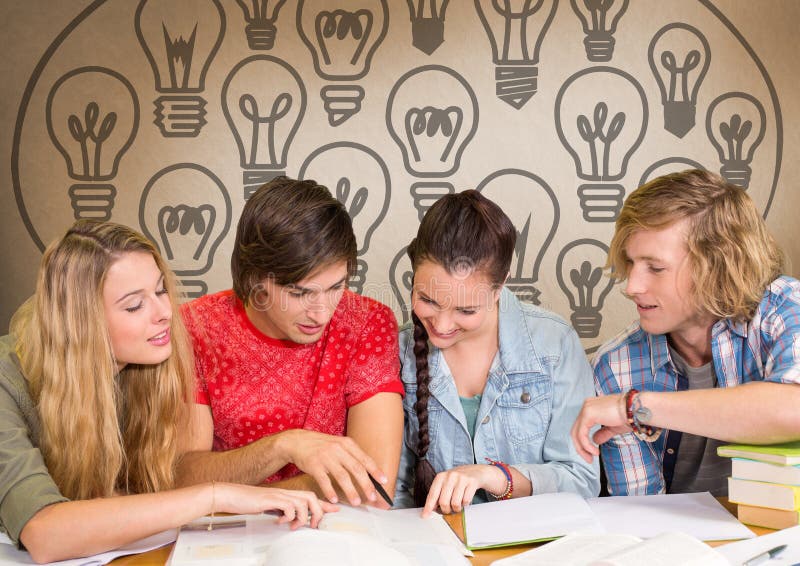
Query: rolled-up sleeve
(25, 484)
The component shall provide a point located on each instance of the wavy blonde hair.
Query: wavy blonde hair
(733, 257)
(101, 433)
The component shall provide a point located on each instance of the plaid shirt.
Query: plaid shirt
(765, 348)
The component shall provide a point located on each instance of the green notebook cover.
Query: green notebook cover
(500, 545)
(787, 453)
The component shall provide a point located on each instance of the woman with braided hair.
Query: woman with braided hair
(492, 385)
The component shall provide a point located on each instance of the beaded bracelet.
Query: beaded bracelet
(509, 479)
(633, 412)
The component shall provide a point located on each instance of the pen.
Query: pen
(764, 556)
(380, 490)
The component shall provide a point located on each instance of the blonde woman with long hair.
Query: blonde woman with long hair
(94, 383)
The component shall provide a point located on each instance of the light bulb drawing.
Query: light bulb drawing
(601, 118)
(679, 56)
(186, 210)
(579, 271)
(427, 24)
(432, 114)
(534, 210)
(516, 36)
(263, 116)
(92, 118)
(180, 39)
(260, 17)
(599, 19)
(401, 279)
(735, 124)
(360, 180)
(342, 41)
(668, 165)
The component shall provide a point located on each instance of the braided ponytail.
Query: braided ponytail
(424, 473)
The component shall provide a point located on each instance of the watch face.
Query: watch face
(643, 414)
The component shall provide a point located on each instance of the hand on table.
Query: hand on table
(298, 508)
(453, 489)
(326, 457)
(608, 411)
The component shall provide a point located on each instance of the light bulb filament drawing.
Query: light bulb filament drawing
(523, 16)
(181, 219)
(585, 280)
(249, 108)
(179, 58)
(342, 24)
(430, 122)
(592, 135)
(735, 133)
(343, 194)
(679, 74)
(82, 132)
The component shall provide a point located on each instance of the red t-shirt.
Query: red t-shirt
(257, 385)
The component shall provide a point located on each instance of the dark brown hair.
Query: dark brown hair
(732, 255)
(288, 230)
(460, 231)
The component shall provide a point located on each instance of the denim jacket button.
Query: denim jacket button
(525, 397)
(485, 419)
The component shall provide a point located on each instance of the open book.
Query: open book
(666, 549)
(349, 537)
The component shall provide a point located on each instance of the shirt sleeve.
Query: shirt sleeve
(25, 484)
(563, 469)
(781, 339)
(374, 365)
(632, 466)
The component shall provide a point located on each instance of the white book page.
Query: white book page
(645, 516)
(666, 549)
(536, 517)
(571, 550)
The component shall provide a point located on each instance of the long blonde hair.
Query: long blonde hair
(101, 432)
(733, 256)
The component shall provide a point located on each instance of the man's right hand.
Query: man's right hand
(326, 457)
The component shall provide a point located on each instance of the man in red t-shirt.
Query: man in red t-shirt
(289, 361)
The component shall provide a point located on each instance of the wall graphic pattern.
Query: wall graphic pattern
(554, 109)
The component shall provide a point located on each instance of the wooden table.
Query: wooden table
(159, 556)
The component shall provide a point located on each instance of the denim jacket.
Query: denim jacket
(533, 394)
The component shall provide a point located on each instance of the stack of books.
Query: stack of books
(765, 483)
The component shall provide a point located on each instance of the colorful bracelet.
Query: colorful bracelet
(633, 411)
(509, 479)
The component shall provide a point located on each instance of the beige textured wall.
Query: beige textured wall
(515, 154)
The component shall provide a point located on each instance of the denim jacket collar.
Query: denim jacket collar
(514, 337)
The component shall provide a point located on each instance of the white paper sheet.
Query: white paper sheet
(738, 552)
(536, 517)
(247, 540)
(10, 555)
(645, 516)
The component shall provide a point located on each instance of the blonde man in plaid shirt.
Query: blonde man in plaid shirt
(715, 354)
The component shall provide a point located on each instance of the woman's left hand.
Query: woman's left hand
(453, 489)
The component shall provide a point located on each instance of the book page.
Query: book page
(537, 517)
(667, 549)
(571, 550)
(646, 516)
(351, 536)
